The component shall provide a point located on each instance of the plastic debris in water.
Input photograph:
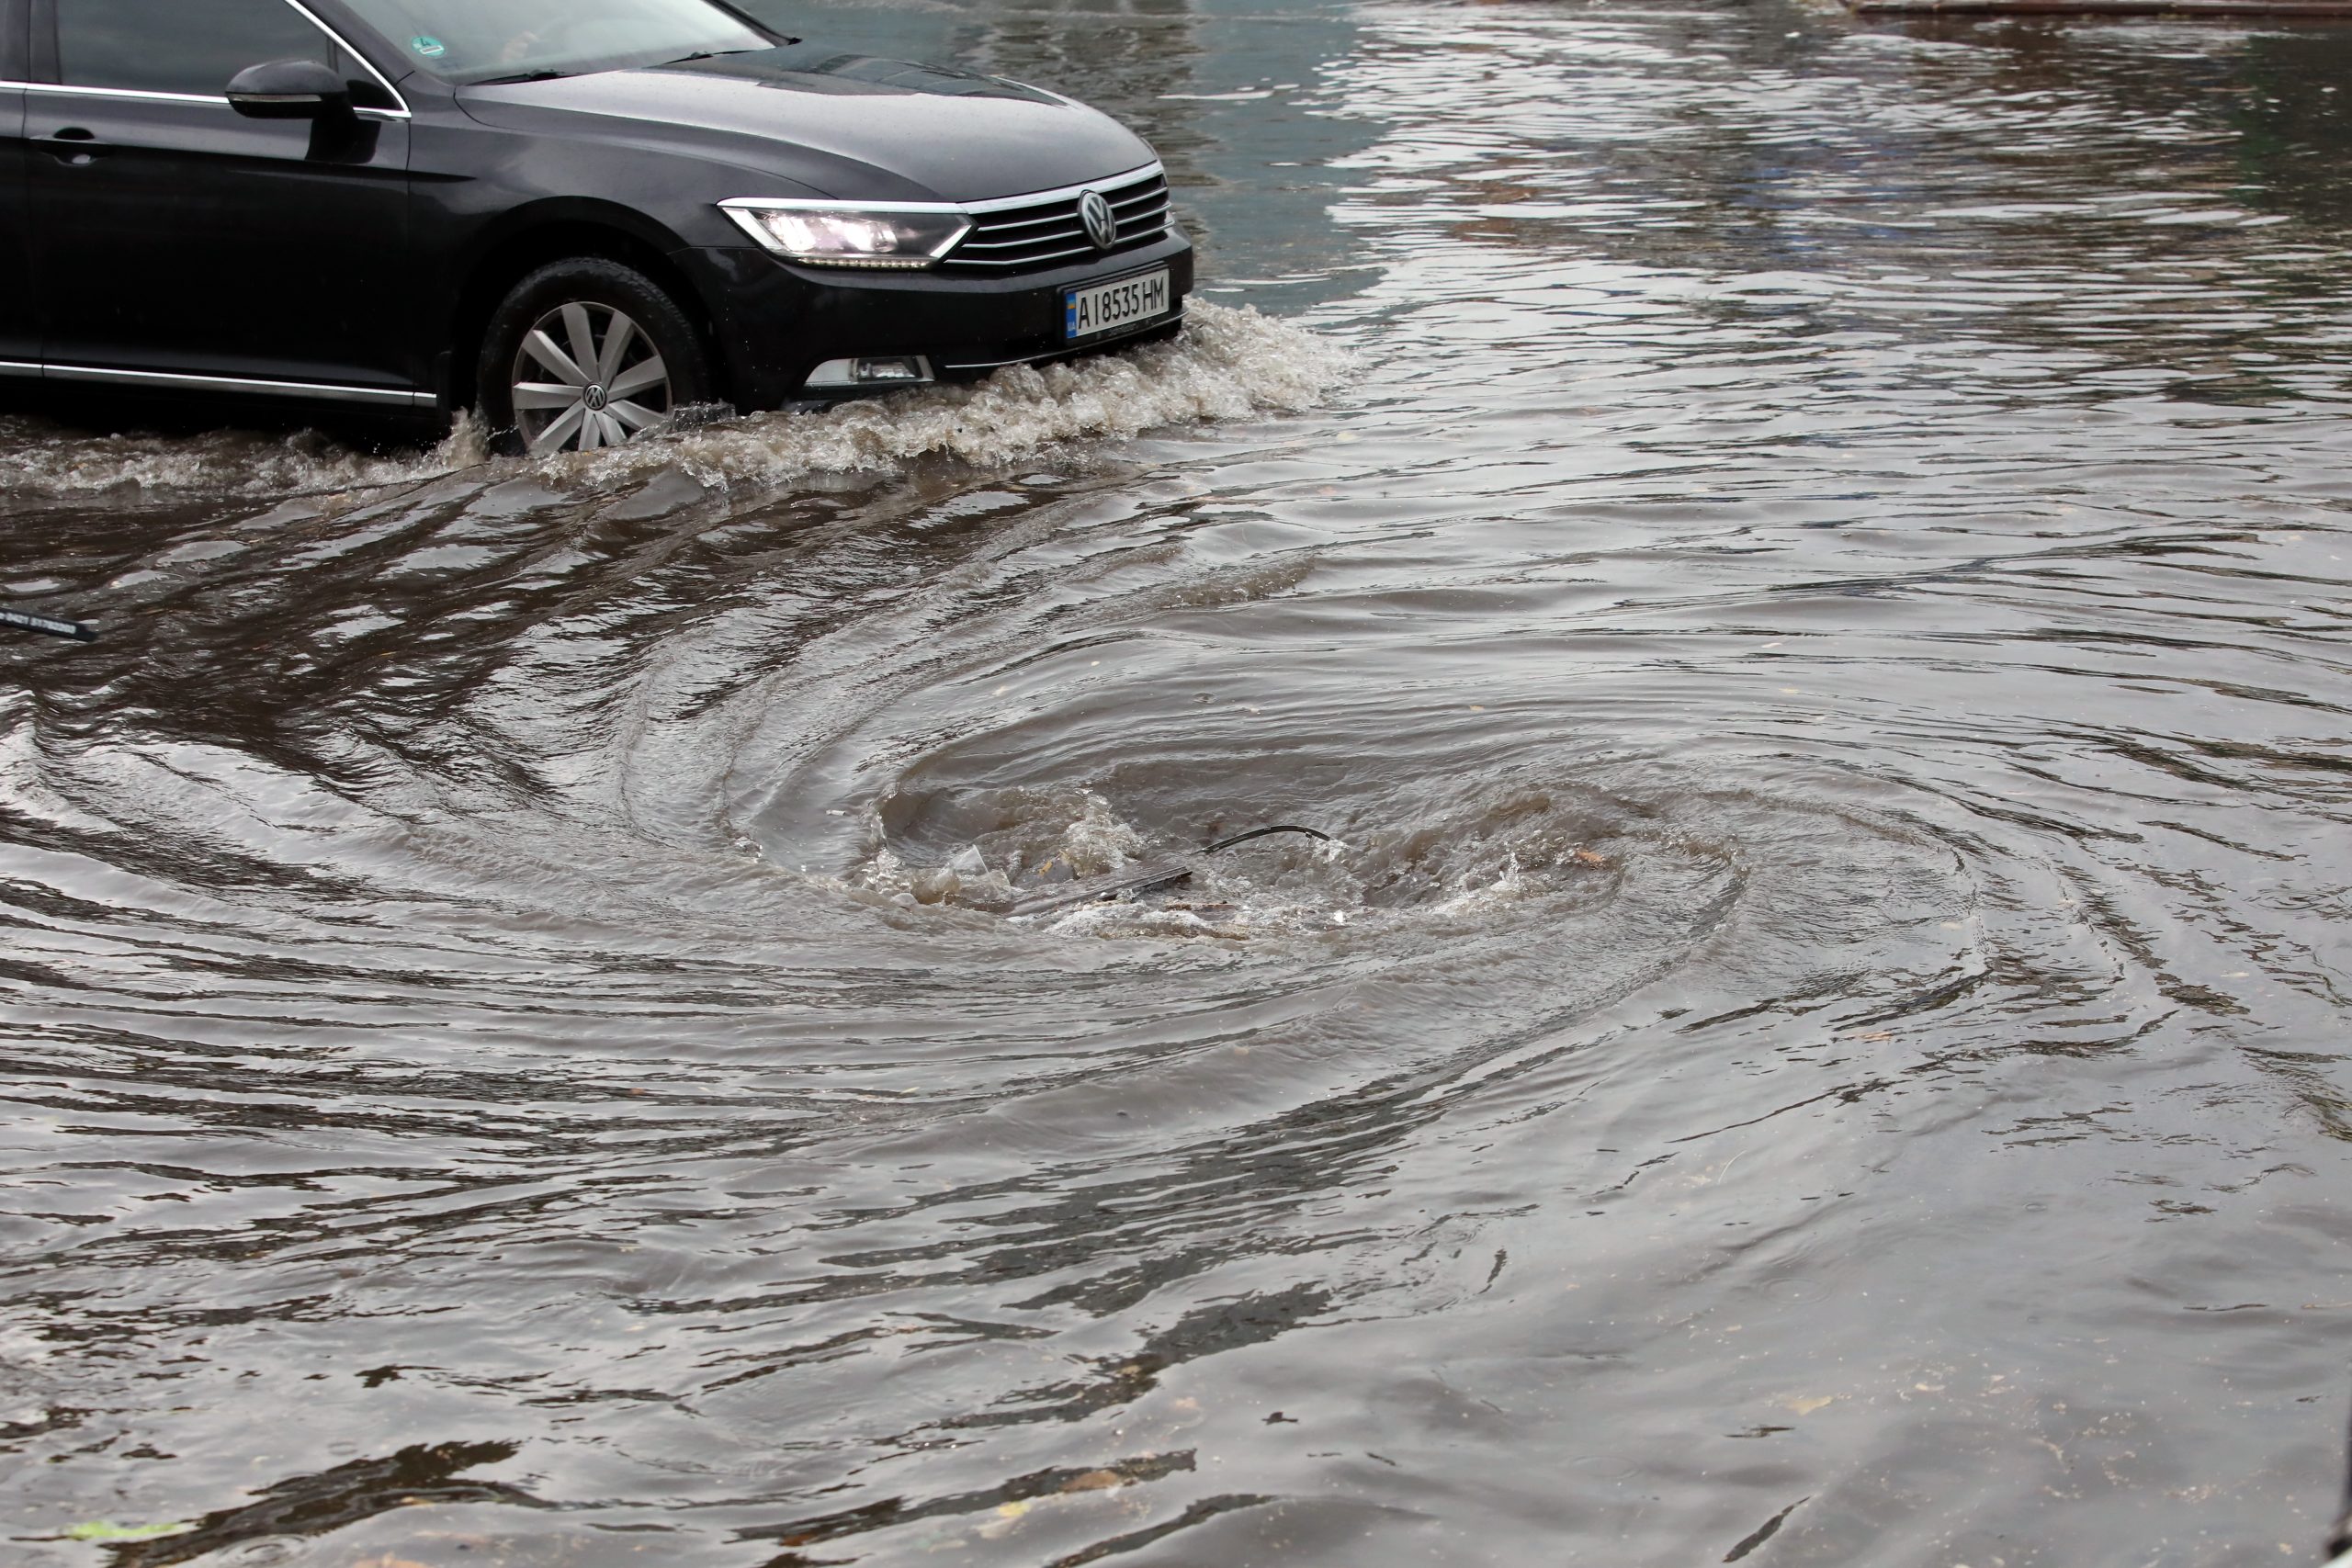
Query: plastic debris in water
(106, 1529)
(935, 886)
(24, 620)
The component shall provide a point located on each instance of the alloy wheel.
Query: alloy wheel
(587, 377)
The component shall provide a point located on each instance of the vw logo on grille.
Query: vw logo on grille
(1102, 224)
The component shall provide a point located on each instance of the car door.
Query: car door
(19, 333)
(177, 241)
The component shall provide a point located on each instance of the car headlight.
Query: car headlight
(851, 235)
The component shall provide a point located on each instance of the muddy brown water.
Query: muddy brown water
(1806, 565)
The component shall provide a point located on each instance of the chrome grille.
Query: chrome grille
(1047, 233)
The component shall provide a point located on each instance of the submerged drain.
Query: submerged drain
(1144, 882)
(1067, 861)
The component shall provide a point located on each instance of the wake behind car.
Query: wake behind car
(578, 216)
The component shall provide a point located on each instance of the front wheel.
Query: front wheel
(585, 355)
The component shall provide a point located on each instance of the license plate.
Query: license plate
(1106, 307)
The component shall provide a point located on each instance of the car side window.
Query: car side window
(15, 39)
(180, 46)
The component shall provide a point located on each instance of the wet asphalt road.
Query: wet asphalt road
(1805, 565)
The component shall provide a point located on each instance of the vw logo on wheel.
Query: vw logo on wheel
(1102, 224)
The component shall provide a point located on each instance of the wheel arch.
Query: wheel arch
(552, 231)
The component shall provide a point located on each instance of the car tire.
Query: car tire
(646, 360)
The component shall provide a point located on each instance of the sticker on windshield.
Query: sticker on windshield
(430, 48)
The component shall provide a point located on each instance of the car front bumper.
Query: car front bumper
(775, 322)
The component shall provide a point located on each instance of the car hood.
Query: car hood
(840, 125)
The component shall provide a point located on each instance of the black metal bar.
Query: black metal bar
(46, 626)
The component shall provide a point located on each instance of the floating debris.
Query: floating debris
(108, 1531)
(24, 620)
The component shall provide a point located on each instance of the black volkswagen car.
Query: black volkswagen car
(577, 216)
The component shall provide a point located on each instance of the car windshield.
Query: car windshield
(495, 40)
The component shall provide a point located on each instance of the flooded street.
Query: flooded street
(1804, 564)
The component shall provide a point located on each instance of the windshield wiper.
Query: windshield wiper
(707, 54)
(522, 76)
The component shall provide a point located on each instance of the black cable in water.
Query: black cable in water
(1265, 832)
(23, 622)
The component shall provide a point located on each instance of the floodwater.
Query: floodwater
(1805, 565)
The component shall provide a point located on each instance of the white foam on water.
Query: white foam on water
(1503, 860)
(41, 458)
(1228, 364)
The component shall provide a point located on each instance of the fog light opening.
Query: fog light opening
(879, 371)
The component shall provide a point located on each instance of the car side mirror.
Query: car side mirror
(290, 89)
